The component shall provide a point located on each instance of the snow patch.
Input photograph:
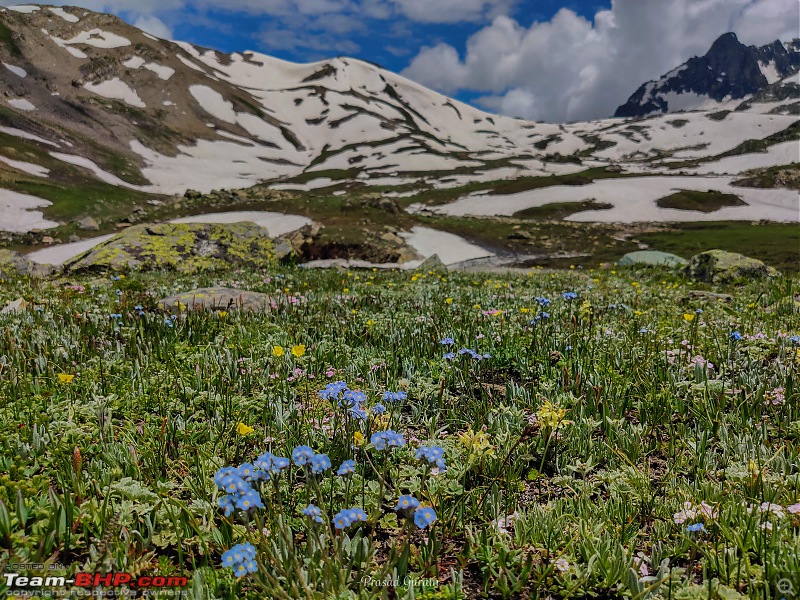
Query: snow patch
(26, 136)
(116, 89)
(61, 253)
(449, 247)
(634, 201)
(134, 62)
(26, 167)
(24, 8)
(769, 71)
(22, 104)
(64, 14)
(213, 103)
(17, 216)
(99, 39)
(105, 176)
(18, 71)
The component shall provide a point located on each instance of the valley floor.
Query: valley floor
(566, 434)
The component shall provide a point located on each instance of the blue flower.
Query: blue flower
(333, 390)
(699, 311)
(248, 500)
(115, 316)
(379, 409)
(696, 527)
(226, 504)
(246, 471)
(735, 336)
(424, 516)
(406, 502)
(569, 295)
(314, 512)
(433, 454)
(301, 455)
(387, 439)
(358, 412)
(241, 558)
(345, 518)
(320, 463)
(448, 341)
(795, 339)
(542, 301)
(394, 396)
(449, 356)
(348, 467)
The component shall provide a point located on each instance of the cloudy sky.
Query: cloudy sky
(538, 59)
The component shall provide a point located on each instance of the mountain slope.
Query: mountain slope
(729, 71)
(99, 118)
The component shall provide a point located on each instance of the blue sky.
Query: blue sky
(542, 60)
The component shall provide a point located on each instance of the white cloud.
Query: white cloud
(451, 11)
(154, 26)
(570, 68)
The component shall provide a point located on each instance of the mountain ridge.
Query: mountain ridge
(728, 71)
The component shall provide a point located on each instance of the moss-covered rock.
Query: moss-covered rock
(185, 247)
(15, 264)
(216, 298)
(719, 266)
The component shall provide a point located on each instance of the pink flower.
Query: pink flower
(794, 509)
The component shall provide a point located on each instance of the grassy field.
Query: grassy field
(555, 434)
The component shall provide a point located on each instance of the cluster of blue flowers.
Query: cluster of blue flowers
(542, 301)
(115, 316)
(736, 336)
(448, 341)
(387, 439)
(795, 339)
(424, 516)
(540, 317)
(696, 527)
(469, 352)
(433, 454)
(349, 516)
(353, 400)
(139, 310)
(394, 396)
(170, 320)
(348, 467)
(569, 295)
(305, 455)
(236, 482)
(313, 512)
(241, 558)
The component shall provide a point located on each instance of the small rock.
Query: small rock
(74, 238)
(15, 306)
(48, 240)
(217, 298)
(88, 224)
(694, 294)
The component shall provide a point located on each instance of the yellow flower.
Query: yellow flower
(277, 351)
(64, 378)
(358, 438)
(449, 300)
(223, 314)
(371, 322)
(298, 350)
(551, 416)
(346, 290)
(476, 443)
(243, 429)
(688, 317)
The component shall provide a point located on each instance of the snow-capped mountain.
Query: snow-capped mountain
(729, 71)
(97, 117)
